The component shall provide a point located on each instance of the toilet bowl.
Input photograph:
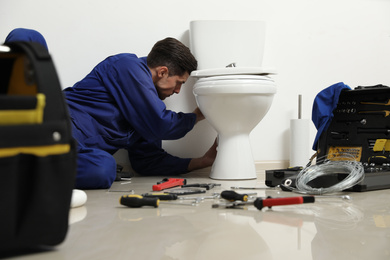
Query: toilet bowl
(234, 105)
(233, 98)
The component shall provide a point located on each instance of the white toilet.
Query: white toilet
(232, 90)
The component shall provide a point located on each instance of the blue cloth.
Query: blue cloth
(323, 106)
(117, 106)
(26, 35)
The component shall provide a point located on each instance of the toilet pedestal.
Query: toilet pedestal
(234, 159)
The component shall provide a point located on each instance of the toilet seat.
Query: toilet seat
(232, 71)
(235, 84)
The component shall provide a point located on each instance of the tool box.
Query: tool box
(361, 128)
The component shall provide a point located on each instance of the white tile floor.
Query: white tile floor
(327, 229)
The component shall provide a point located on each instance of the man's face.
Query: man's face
(169, 85)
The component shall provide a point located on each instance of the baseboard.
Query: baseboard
(270, 165)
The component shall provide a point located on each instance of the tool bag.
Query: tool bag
(37, 151)
(360, 127)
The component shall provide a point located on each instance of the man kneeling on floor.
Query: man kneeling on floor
(119, 105)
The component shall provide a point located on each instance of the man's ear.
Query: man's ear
(162, 71)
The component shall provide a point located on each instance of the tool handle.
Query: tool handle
(136, 201)
(233, 196)
(170, 183)
(161, 196)
(269, 202)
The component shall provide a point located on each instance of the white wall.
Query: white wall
(312, 43)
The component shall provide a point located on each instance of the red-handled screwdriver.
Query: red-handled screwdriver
(260, 203)
(269, 202)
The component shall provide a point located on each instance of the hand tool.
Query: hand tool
(136, 201)
(168, 183)
(207, 186)
(161, 196)
(186, 191)
(343, 197)
(269, 202)
(377, 103)
(168, 196)
(233, 196)
(199, 199)
(250, 188)
(349, 121)
(373, 130)
(191, 203)
(385, 113)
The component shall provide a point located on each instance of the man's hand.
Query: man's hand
(206, 160)
(199, 115)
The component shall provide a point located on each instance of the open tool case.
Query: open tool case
(37, 151)
(360, 127)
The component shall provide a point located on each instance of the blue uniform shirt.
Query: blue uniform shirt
(117, 106)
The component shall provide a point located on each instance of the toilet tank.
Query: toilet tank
(216, 44)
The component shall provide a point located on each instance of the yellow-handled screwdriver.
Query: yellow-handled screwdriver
(233, 196)
(136, 201)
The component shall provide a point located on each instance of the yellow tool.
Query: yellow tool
(379, 145)
(377, 103)
(233, 196)
(381, 112)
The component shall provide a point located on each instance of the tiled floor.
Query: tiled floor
(327, 229)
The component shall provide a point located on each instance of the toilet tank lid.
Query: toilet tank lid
(232, 71)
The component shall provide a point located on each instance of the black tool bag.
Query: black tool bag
(37, 151)
(361, 128)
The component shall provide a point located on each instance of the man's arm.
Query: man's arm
(206, 160)
(199, 115)
(148, 158)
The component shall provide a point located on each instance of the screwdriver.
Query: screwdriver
(233, 196)
(136, 201)
(269, 202)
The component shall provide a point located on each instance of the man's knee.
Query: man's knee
(95, 171)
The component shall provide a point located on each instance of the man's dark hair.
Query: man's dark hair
(174, 55)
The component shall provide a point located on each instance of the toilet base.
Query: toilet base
(234, 159)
